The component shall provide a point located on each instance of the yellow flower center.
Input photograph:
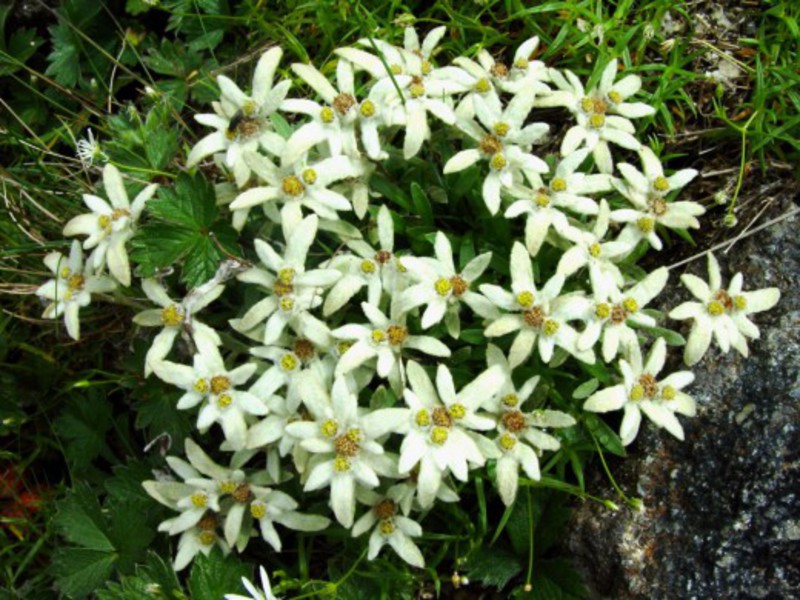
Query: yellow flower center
(224, 400)
(286, 275)
(668, 392)
(525, 299)
(378, 335)
(661, 184)
(630, 305)
(326, 115)
(615, 96)
(386, 527)
(416, 90)
(595, 249)
(458, 411)
(602, 310)
(258, 510)
(104, 221)
(541, 200)
(201, 386)
(443, 286)
(740, 302)
(646, 224)
(482, 86)
(329, 428)
(199, 499)
(587, 104)
(227, 487)
(292, 186)
(716, 308)
(75, 282)
(64, 272)
(510, 400)
(426, 67)
(550, 327)
(286, 304)
(439, 435)
(396, 69)
(172, 315)
(367, 266)
(637, 392)
(206, 537)
(341, 464)
(498, 161)
(309, 176)
(367, 108)
(507, 441)
(501, 129)
(597, 120)
(422, 418)
(559, 184)
(288, 362)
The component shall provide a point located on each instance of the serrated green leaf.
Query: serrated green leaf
(80, 521)
(201, 262)
(213, 576)
(80, 571)
(159, 245)
(83, 427)
(191, 203)
(65, 65)
(161, 141)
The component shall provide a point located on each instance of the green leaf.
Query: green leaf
(585, 389)
(80, 571)
(673, 338)
(422, 206)
(80, 521)
(191, 203)
(65, 66)
(493, 566)
(83, 427)
(161, 141)
(214, 575)
(605, 436)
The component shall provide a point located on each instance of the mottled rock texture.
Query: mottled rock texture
(722, 509)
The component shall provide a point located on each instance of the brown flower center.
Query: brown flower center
(242, 493)
(441, 417)
(490, 145)
(513, 421)
(459, 284)
(343, 103)
(385, 509)
(304, 349)
(397, 334)
(534, 317)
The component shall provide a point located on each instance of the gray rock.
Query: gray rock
(721, 516)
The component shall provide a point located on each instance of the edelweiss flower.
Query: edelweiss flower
(544, 204)
(641, 392)
(721, 312)
(378, 270)
(290, 360)
(439, 427)
(527, 75)
(210, 383)
(109, 227)
(242, 121)
(483, 80)
(385, 339)
(293, 290)
(535, 314)
(602, 113)
(504, 142)
(647, 192)
(443, 289)
(265, 593)
(591, 250)
(515, 428)
(610, 315)
(176, 317)
(72, 287)
(389, 527)
(297, 184)
(346, 441)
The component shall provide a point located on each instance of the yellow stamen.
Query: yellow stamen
(501, 129)
(646, 224)
(329, 428)
(630, 305)
(482, 86)
(550, 327)
(457, 411)
(716, 308)
(507, 441)
(326, 115)
(199, 499)
(292, 186)
(498, 162)
(310, 176)
(172, 315)
(224, 400)
(367, 108)
(443, 286)
(378, 335)
(661, 184)
(559, 184)
(288, 362)
(602, 310)
(367, 266)
(510, 400)
(258, 510)
(423, 418)
(341, 464)
(439, 435)
(525, 299)
(597, 121)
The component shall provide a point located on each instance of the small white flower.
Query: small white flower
(442, 289)
(440, 427)
(610, 315)
(265, 593)
(210, 383)
(640, 392)
(72, 287)
(242, 122)
(293, 291)
(346, 441)
(390, 527)
(537, 315)
(647, 192)
(544, 205)
(384, 339)
(527, 75)
(88, 150)
(109, 227)
(504, 142)
(176, 317)
(602, 113)
(721, 312)
(590, 250)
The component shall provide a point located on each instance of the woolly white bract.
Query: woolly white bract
(349, 363)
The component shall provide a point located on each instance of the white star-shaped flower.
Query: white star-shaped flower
(110, 226)
(640, 392)
(265, 593)
(721, 312)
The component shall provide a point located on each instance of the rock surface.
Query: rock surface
(722, 509)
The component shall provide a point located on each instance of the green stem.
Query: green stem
(742, 163)
(531, 531)
(634, 503)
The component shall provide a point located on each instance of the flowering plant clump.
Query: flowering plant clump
(326, 316)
